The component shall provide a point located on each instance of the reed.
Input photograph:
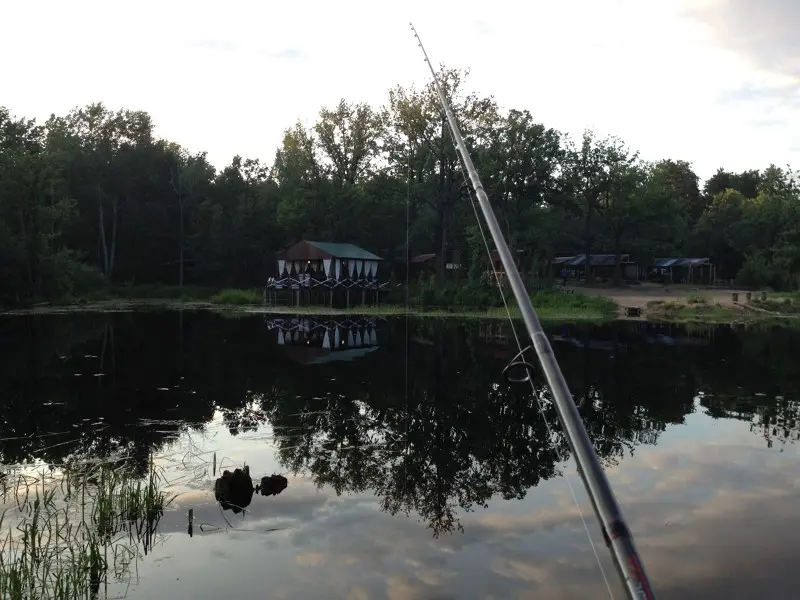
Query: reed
(63, 531)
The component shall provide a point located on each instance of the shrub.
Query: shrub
(697, 298)
(236, 297)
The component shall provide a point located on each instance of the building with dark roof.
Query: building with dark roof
(601, 265)
(684, 270)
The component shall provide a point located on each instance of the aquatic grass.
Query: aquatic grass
(67, 530)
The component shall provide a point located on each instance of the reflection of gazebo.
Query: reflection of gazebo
(322, 268)
(308, 340)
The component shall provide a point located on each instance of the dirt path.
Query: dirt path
(640, 295)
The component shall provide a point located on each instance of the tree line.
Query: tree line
(95, 198)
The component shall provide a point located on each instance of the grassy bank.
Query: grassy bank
(426, 299)
(699, 309)
(694, 312)
(155, 291)
(549, 305)
(786, 303)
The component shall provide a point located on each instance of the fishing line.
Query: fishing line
(616, 532)
(550, 431)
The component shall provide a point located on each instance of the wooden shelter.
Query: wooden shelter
(684, 270)
(325, 272)
(425, 264)
(600, 265)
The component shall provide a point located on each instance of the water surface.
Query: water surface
(414, 469)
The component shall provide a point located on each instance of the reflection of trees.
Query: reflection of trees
(753, 378)
(456, 439)
(91, 386)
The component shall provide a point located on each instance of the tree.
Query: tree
(522, 164)
(349, 139)
(745, 183)
(189, 175)
(590, 171)
(719, 231)
(419, 145)
(684, 184)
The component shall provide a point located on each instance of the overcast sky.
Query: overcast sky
(710, 81)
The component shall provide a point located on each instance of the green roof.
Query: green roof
(345, 251)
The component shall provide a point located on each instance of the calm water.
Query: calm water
(426, 478)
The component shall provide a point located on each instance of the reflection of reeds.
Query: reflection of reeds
(68, 529)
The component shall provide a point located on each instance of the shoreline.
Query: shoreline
(389, 310)
(656, 311)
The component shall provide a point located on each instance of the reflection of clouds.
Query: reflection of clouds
(712, 520)
(544, 554)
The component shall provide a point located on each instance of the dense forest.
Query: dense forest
(94, 198)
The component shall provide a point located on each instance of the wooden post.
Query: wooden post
(363, 296)
(348, 298)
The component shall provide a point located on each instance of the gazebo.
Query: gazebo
(325, 270)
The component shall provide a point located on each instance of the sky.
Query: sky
(714, 82)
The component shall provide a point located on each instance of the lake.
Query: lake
(413, 469)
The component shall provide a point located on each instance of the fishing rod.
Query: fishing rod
(615, 531)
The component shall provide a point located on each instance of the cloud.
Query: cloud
(768, 97)
(763, 32)
(288, 54)
(216, 45)
(481, 28)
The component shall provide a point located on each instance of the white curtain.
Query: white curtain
(336, 339)
(280, 337)
(351, 265)
(281, 267)
(327, 264)
(359, 264)
(358, 338)
(338, 268)
(373, 338)
(350, 341)
(315, 265)
(326, 341)
(374, 267)
(297, 266)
